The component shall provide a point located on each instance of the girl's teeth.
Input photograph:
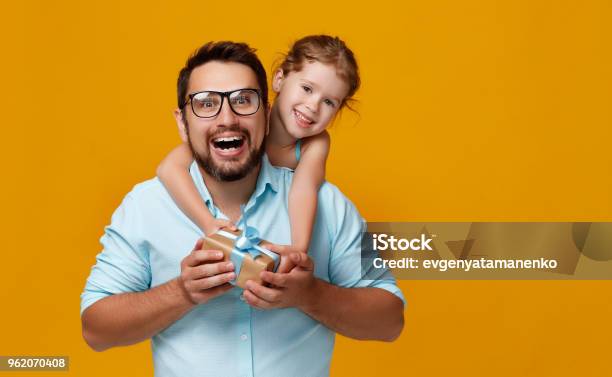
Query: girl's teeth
(301, 117)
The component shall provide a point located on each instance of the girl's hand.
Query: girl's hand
(214, 225)
(286, 264)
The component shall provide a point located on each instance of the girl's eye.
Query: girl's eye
(307, 89)
(329, 102)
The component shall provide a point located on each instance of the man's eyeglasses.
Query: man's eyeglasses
(208, 104)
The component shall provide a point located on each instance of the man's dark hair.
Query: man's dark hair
(226, 52)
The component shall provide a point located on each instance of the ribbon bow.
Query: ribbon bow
(249, 237)
(247, 242)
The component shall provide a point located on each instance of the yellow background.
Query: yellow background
(470, 110)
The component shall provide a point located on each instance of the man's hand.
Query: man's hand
(294, 289)
(204, 276)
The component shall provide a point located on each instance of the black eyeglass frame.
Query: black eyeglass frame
(223, 95)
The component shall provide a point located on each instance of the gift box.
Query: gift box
(242, 249)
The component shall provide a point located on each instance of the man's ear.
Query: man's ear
(277, 81)
(180, 123)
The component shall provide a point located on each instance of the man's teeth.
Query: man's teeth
(228, 143)
(232, 138)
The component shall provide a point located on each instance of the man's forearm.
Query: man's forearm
(130, 318)
(360, 313)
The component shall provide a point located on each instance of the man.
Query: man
(146, 283)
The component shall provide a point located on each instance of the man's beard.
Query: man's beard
(228, 174)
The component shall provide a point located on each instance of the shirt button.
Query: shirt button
(242, 296)
(243, 337)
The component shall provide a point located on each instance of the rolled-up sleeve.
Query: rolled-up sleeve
(346, 268)
(123, 264)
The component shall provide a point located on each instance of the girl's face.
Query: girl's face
(309, 99)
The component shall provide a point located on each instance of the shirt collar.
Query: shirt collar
(196, 175)
(267, 178)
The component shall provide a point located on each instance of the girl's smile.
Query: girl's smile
(302, 120)
(308, 99)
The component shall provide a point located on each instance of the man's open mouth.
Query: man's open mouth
(228, 143)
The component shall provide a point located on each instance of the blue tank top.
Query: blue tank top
(298, 150)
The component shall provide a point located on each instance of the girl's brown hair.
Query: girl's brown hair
(327, 50)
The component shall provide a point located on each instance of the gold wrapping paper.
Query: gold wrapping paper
(250, 269)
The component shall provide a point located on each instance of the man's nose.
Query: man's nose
(227, 117)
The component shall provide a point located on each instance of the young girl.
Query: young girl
(315, 80)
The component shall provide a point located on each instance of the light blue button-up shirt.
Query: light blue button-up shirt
(149, 236)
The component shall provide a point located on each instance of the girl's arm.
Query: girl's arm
(173, 171)
(308, 177)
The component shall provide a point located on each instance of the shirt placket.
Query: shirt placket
(245, 340)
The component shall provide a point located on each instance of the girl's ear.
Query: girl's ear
(180, 123)
(277, 81)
